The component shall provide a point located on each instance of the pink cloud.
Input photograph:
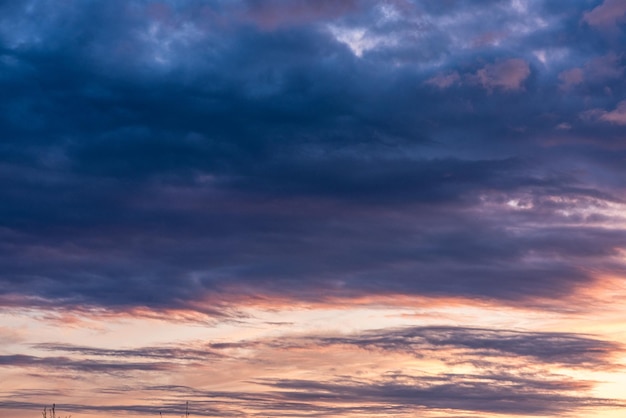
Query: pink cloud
(570, 78)
(603, 68)
(11, 335)
(617, 116)
(270, 14)
(606, 67)
(505, 75)
(607, 15)
(489, 38)
(444, 81)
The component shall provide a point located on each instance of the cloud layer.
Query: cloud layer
(158, 154)
(504, 372)
(195, 161)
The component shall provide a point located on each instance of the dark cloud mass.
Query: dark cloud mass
(164, 153)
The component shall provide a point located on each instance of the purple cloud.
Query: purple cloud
(508, 75)
(616, 116)
(607, 15)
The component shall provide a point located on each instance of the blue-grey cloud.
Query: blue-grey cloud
(157, 154)
(545, 347)
(180, 354)
(495, 394)
(81, 366)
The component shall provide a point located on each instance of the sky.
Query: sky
(313, 208)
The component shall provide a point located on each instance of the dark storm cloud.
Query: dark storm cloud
(162, 153)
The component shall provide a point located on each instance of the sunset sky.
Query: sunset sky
(313, 208)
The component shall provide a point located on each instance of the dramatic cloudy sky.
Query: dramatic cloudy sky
(313, 208)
